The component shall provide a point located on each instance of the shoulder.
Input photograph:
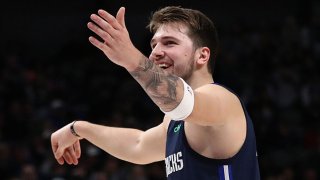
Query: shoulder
(215, 90)
(218, 118)
(218, 97)
(213, 105)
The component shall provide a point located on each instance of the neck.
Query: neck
(198, 80)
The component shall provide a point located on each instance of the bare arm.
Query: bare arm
(164, 89)
(131, 145)
(140, 147)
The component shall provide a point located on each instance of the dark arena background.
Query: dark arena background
(50, 75)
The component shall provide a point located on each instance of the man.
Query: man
(206, 133)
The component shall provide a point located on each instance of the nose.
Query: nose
(156, 53)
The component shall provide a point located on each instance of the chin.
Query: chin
(170, 70)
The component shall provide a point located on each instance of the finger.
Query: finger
(60, 161)
(103, 34)
(77, 149)
(103, 25)
(120, 17)
(102, 46)
(67, 157)
(54, 145)
(54, 150)
(110, 19)
(74, 159)
(58, 153)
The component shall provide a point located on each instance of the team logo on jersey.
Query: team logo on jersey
(174, 163)
(177, 128)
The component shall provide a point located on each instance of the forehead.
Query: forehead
(177, 31)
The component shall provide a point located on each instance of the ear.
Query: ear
(202, 55)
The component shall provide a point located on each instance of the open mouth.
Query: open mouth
(164, 65)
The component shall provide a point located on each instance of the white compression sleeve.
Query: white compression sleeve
(184, 109)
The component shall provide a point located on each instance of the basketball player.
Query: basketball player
(206, 132)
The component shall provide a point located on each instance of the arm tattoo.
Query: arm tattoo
(159, 85)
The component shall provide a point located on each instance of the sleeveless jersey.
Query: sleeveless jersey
(183, 163)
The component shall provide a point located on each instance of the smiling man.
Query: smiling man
(206, 132)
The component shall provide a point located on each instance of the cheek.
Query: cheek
(178, 54)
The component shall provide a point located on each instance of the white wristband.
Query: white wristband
(184, 109)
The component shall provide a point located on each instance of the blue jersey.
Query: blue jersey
(183, 163)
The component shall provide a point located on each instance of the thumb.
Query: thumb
(58, 154)
(120, 17)
(77, 148)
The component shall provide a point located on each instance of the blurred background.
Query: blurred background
(51, 75)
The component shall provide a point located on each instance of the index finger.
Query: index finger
(110, 19)
(54, 147)
(77, 148)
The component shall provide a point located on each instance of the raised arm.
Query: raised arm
(132, 145)
(165, 89)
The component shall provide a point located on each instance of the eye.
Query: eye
(169, 43)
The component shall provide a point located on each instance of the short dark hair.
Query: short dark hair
(201, 29)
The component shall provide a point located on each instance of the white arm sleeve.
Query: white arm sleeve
(185, 108)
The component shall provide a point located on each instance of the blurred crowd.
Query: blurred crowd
(272, 66)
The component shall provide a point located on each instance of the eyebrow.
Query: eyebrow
(164, 38)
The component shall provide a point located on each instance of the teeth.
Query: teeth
(163, 65)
